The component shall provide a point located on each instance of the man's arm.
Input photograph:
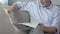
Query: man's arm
(12, 8)
(50, 30)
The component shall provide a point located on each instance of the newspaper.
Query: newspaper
(22, 26)
(26, 26)
(8, 15)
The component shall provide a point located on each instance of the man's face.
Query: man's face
(45, 2)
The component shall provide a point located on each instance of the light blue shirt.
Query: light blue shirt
(49, 16)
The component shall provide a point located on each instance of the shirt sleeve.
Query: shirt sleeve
(56, 22)
(20, 4)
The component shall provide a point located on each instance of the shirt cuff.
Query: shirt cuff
(19, 4)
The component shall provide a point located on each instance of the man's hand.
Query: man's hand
(9, 11)
(12, 8)
(42, 26)
(50, 30)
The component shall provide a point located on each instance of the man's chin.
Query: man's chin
(43, 5)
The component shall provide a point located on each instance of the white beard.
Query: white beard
(43, 5)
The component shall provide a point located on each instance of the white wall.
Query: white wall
(4, 2)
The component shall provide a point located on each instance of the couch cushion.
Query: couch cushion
(20, 16)
(6, 27)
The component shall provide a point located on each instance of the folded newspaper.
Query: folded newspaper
(22, 26)
(26, 26)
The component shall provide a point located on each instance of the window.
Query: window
(3, 2)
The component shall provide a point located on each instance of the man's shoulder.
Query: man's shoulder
(26, 3)
(32, 3)
(56, 6)
(57, 9)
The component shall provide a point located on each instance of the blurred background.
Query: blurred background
(10, 2)
(3, 2)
